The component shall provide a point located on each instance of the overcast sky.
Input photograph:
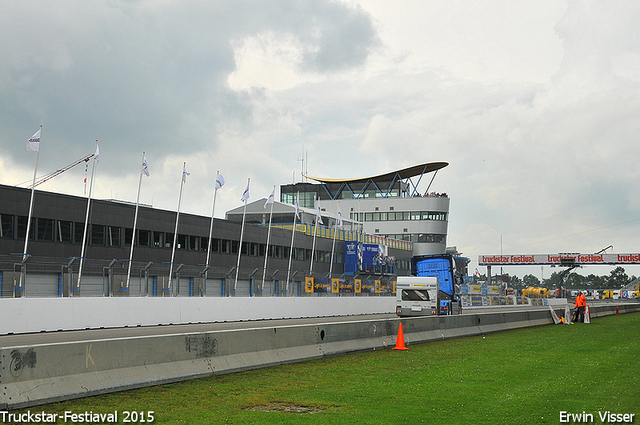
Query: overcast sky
(535, 106)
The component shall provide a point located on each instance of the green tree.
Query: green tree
(597, 282)
(530, 280)
(516, 282)
(552, 281)
(574, 280)
(618, 278)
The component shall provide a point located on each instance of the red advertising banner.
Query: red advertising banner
(557, 259)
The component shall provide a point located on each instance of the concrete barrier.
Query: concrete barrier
(39, 374)
(24, 315)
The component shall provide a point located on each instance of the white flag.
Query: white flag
(245, 194)
(339, 218)
(184, 173)
(33, 144)
(319, 217)
(219, 181)
(96, 156)
(271, 198)
(145, 168)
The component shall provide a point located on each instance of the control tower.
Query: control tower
(389, 204)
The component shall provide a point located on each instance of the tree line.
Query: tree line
(616, 279)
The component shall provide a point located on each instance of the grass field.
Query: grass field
(524, 376)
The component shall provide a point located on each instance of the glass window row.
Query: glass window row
(419, 237)
(399, 216)
(13, 227)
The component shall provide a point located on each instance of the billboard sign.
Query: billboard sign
(557, 259)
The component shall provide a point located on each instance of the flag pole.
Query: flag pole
(335, 231)
(213, 208)
(219, 183)
(315, 231)
(175, 232)
(135, 221)
(266, 251)
(244, 211)
(26, 238)
(86, 221)
(293, 232)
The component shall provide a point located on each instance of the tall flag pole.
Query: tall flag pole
(245, 196)
(270, 200)
(33, 145)
(318, 220)
(143, 170)
(96, 159)
(175, 232)
(219, 184)
(335, 230)
(293, 232)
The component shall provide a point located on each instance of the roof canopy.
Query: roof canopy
(405, 173)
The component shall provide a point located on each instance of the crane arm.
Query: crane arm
(61, 170)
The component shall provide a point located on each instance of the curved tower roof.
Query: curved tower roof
(404, 173)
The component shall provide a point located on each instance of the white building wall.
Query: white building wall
(435, 204)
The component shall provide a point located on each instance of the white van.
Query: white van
(416, 296)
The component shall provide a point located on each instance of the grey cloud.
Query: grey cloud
(143, 75)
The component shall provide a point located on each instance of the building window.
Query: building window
(277, 251)
(194, 243)
(78, 232)
(168, 240)
(158, 239)
(182, 242)
(216, 245)
(6, 226)
(65, 231)
(97, 234)
(144, 237)
(226, 246)
(22, 228)
(45, 229)
(113, 236)
(128, 235)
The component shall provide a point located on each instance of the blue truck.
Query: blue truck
(450, 271)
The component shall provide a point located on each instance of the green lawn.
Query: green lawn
(524, 376)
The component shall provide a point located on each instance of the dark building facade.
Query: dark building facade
(55, 245)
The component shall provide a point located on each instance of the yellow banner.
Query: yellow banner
(308, 284)
(335, 286)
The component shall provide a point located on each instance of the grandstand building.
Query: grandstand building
(57, 230)
(388, 205)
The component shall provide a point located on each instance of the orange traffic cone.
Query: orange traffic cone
(617, 311)
(400, 340)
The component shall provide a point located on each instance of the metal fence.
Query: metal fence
(55, 277)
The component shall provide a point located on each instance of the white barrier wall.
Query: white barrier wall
(22, 315)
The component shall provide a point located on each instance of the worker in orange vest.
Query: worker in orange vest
(581, 302)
